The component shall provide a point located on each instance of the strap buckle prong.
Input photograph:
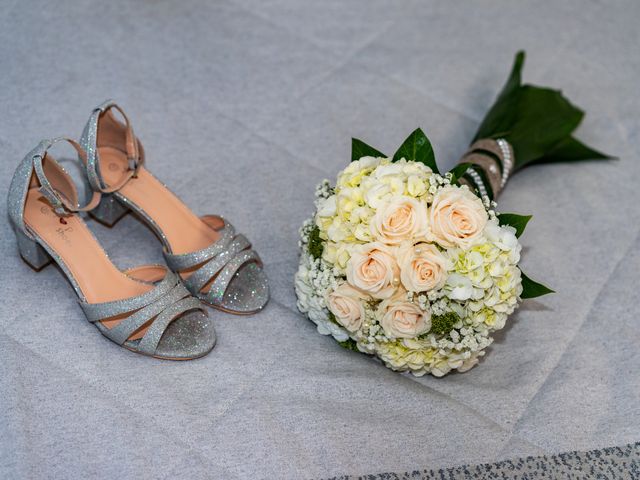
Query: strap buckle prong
(134, 166)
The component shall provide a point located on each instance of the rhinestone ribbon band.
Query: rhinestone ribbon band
(495, 159)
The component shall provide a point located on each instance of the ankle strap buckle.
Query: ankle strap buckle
(131, 147)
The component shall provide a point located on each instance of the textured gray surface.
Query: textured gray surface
(251, 103)
(606, 463)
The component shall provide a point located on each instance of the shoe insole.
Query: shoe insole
(184, 231)
(94, 273)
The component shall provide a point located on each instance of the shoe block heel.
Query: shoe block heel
(109, 211)
(32, 253)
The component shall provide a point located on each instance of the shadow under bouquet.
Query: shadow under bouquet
(418, 267)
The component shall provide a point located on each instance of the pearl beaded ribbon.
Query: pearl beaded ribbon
(496, 160)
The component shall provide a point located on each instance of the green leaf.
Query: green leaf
(360, 149)
(519, 222)
(538, 122)
(315, 246)
(417, 147)
(502, 114)
(531, 289)
(570, 149)
(349, 344)
(458, 171)
(544, 118)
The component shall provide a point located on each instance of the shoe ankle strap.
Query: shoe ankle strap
(127, 142)
(54, 183)
(64, 203)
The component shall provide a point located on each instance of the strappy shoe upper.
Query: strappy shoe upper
(145, 309)
(55, 184)
(178, 324)
(226, 274)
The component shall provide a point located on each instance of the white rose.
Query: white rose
(422, 267)
(457, 217)
(372, 268)
(347, 305)
(403, 319)
(400, 219)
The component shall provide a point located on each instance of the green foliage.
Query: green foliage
(315, 246)
(502, 114)
(360, 149)
(443, 324)
(532, 289)
(571, 150)
(519, 222)
(538, 122)
(417, 147)
(544, 118)
(349, 344)
(458, 171)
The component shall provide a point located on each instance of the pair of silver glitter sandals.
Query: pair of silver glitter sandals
(154, 310)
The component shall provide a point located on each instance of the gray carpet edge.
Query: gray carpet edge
(618, 462)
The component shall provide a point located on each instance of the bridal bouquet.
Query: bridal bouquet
(418, 267)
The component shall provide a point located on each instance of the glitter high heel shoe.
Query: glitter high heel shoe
(144, 309)
(216, 264)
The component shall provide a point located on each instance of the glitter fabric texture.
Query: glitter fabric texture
(234, 270)
(239, 283)
(169, 302)
(178, 324)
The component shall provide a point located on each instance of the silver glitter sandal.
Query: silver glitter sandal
(217, 265)
(145, 309)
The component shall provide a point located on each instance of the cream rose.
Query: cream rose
(402, 318)
(347, 305)
(422, 267)
(401, 218)
(372, 268)
(456, 217)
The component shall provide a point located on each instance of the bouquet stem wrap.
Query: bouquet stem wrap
(490, 166)
(527, 124)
